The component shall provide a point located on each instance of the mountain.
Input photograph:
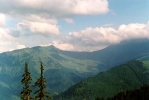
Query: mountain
(64, 68)
(129, 76)
(61, 71)
(116, 54)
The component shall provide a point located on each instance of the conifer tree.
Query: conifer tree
(25, 94)
(41, 94)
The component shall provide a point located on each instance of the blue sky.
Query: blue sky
(122, 12)
(77, 25)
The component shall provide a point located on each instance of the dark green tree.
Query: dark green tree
(41, 94)
(25, 94)
(99, 98)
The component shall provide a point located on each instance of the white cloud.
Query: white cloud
(92, 39)
(40, 16)
(90, 36)
(2, 20)
(56, 8)
(6, 41)
(132, 31)
(37, 21)
(90, 7)
(89, 39)
(20, 46)
(43, 28)
(39, 28)
(63, 46)
(4, 37)
(37, 24)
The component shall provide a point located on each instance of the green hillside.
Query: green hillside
(131, 75)
(64, 68)
(116, 54)
(137, 94)
(61, 71)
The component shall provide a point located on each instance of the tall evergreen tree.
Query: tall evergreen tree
(25, 94)
(41, 94)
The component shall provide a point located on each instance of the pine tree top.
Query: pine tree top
(41, 83)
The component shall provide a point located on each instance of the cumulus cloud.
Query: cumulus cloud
(40, 16)
(9, 42)
(92, 39)
(20, 46)
(92, 36)
(39, 25)
(56, 8)
(39, 28)
(63, 46)
(2, 20)
(6, 41)
(132, 31)
(37, 22)
(89, 7)
(4, 37)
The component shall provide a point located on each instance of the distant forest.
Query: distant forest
(122, 82)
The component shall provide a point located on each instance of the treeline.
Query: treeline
(138, 94)
(41, 93)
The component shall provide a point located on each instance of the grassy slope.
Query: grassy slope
(58, 70)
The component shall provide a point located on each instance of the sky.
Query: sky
(74, 25)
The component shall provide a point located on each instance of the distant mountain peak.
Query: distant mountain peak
(52, 48)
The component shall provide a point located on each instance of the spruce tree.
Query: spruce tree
(41, 94)
(25, 94)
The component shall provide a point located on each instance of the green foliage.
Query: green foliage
(41, 93)
(137, 94)
(25, 94)
(131, 75)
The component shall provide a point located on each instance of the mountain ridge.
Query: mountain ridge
(65, 65)
(128, 76)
